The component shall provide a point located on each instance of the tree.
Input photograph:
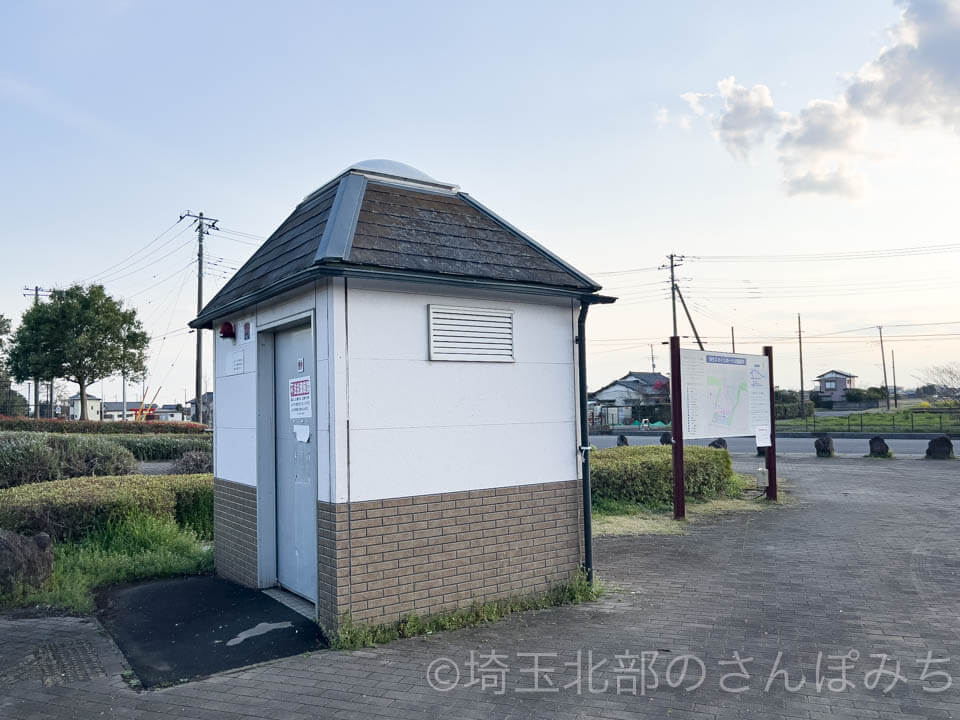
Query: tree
(4, 329)
(946, 378)
(82, 334)
(11, 402)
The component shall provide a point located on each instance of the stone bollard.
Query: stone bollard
(666, 439)
(940, 449)
(719, 444)
(26, 560)
(879, 447)
(824, 446)
(622, 440)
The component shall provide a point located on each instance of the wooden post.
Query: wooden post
(676, 430)
(772, 450)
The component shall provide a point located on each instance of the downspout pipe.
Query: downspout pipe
(585, 302)
(585, 441)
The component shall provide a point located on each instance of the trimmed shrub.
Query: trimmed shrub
(195, 461)
(644, 473)
(81, 455)
(163, 446)
(26, 458)
(73, 508)
(25, 424)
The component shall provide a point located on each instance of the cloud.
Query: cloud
(662, 118)
(695, 101)
(915, 80)
(748, 116)
(838, 181)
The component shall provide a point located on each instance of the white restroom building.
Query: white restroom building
(398, 417)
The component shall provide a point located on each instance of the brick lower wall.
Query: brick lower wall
(235, 531)
(382, 559)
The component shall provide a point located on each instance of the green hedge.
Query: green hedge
(644, 473)
(96, 427)
(163, 447)
(81, 455)
(26, 458)
(29, 457)
(785, 411)
(73, 508)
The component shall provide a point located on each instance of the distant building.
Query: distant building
(94, 407)
(169, 413)
(613, 403)
(834, 385)
(113, 411)
(188, 409)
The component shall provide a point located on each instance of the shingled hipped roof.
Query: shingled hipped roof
(385, 219)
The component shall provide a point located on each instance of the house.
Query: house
(614, 403)
(397, 364)
(94, 407)
(171, 412)
(834, 385)
(113, 411)
(189, 409)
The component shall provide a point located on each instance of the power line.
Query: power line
(131, 255)
(847, 255)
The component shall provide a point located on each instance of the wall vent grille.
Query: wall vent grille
(470, 334)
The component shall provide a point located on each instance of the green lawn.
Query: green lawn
(894, 421)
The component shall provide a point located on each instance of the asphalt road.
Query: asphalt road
(843, 446)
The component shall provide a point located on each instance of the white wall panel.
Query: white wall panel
(235, 402)
(236, 458)
(421, 461)
(419, 427)
(415, 393)
(393, 325)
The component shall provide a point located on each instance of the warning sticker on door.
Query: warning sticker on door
(300, 403)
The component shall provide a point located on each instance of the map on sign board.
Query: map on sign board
(301, 405)
(725, 395)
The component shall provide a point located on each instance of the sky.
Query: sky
(802, 158)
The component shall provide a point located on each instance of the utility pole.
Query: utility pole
(203, 224)
(673, 292)
(733, 341)
(883, 355)
(803, 413)
(36, 291)
(893, 361)
(653, 363)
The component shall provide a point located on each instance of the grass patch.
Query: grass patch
(619, 517)
(350, 636)
(137, 547)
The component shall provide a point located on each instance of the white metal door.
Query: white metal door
(296, 458)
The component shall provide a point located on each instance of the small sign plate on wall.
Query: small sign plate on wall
(299, 365)
(236, 362)
(301, 404)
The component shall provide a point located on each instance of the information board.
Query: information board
(725, 395)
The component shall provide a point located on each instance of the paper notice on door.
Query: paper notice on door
(301, 405)
(302, 432)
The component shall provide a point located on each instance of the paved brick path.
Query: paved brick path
(866, 560)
